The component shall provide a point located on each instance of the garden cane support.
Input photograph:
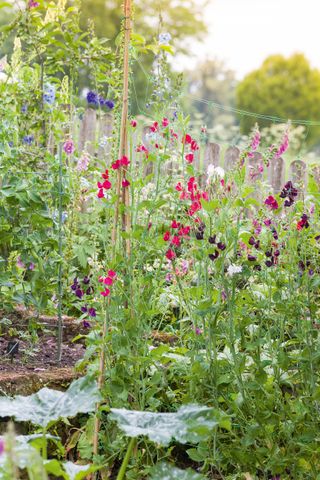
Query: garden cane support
(122, 195)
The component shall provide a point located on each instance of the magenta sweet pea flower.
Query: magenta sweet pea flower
(271, 202)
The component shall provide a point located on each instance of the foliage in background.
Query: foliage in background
(283, 87)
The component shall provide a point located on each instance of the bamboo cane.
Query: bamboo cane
(121, 195)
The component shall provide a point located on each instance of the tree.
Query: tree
(282, 87)
(213, 81)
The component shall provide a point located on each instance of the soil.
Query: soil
(35, 364)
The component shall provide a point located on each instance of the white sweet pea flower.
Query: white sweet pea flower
(214, 172)
(233, 269)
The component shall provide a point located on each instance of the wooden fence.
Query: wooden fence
(94, 132)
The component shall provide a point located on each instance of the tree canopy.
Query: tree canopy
(282, 87)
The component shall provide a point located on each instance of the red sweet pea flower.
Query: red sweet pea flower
(124, 161)
(189, 157)
(108, 281)
(166, 236)
(133, 123)
(154, 127)
(106, 292)
(271, 202)
(100, 193)
(184, 231)
(106, 185)
(176, 241)
(194, 145)
(175, 224)
(125, 183)
(179, 187)
(105, 175)
(187, 139)
(116, 165)
(112, 273)
(170, 254)
(165, 122)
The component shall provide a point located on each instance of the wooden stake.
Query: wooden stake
(122, 195)
(123, 145)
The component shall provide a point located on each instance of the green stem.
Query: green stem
(124, 465)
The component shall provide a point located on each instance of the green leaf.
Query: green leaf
(49, 405)
(164, 471)
(190, 424)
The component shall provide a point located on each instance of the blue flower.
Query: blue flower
(28, 139)
(24, 108)
(92, 98)
(110, 104)
(49, 94)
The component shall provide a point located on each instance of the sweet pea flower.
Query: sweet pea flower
(170, 254)
(68, 147)
(271, 202)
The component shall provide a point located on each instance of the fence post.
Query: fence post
(298, 170)
(276, 174)
(88, 127)
(231, 157)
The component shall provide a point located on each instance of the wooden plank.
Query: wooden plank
(87, 134)
(231, 157)
(298, 171)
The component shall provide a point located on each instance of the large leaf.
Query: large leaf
(49, 405)
(164, 471)
(191, 423)
(69, 470)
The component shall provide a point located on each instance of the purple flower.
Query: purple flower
(251, 241)
(79, 293)
(284, 145)
(28, 139)
(31, 266)
(221, 246)
(86, 324)
(92, 312)
(256, 140)
(271, 202)
(84, 309)
(24, 108)
(212, 239)
(109, 104)
(20, 263)
(68, 147)
(252, 258)
(267, 222)
(1, 447)
(92, 98)
(33, 4)
(86, 280)
(214, 256)
(198, 331)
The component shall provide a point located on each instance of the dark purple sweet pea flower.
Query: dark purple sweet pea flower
(86, 280)
(198, 331)
(214, 256)
(269, 263)
(257, 244)
(92, 312)
(79, 293)
(31, 266)
(199, 235)
(252, 258)
(84, 309)
(212, 239)
(251, 241)
(86, 324)
(221, 246)
(89, 291)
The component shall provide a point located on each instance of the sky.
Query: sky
(245, 32)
